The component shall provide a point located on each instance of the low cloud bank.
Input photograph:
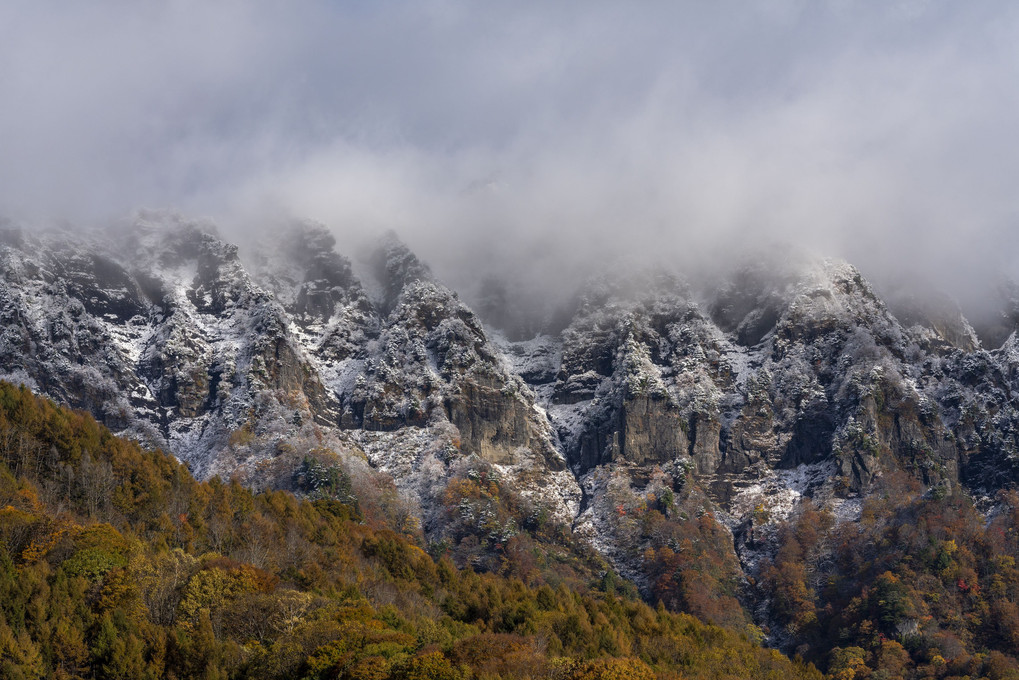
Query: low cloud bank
(532, 143)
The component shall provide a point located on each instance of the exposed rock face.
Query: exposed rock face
(778, 385)
(798, 372)
(779, 382)
(651, 430)
(238, 364)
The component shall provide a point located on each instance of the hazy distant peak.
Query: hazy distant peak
(394, 266)
(164, 222)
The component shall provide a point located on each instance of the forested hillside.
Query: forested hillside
(116, 563)
(922, 586)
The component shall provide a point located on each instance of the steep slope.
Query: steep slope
(116, 563)
(420, 386)
(679, 427)
(243, 366)
(787, 381)
(163, 336)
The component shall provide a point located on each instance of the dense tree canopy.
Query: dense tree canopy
(116, 563)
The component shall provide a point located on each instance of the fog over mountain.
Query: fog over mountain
(533, 143)
(709, 303)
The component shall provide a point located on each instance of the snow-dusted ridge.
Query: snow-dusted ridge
(771, 386)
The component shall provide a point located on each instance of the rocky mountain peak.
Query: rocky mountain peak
(395, 267)
(935, 319)
(739, 399)
(302, 269)
(996, 316)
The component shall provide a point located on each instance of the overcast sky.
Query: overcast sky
(884, 131)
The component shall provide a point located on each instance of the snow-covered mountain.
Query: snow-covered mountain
(777, 382)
